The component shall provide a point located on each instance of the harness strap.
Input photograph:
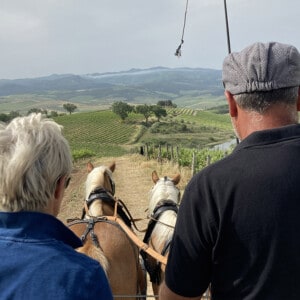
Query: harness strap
(141, 245)
(108, 198)
(161, 207)
(166, 247)
(99, 194)
(133, 237)
(89, 229)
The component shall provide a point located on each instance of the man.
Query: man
(38, 260)
(238, 223)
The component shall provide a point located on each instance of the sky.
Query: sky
(44, 37)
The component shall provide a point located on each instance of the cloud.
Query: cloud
(19, 27)
(74, 36)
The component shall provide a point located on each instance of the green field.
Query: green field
(49, 102)
(102, 133)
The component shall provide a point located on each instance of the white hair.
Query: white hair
(34, 155)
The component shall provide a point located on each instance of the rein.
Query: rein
(119, 207)
(122, 217)
(133, 237)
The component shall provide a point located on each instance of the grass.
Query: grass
(196, 129)
(23, 103)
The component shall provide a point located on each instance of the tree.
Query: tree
(69, 107)
(4, 118)
(53, 114)
(159, 111)
(14, 114)
(168, 103)
(37, 110)
(145, 110)
(122, 109)
(8, 117)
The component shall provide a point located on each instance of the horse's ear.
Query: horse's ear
(155, 177)
(89, 167)
(176, 179)
(112, 166)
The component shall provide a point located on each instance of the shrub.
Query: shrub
(82, 153)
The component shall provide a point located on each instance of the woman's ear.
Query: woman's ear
(233, 111)
(60, 187)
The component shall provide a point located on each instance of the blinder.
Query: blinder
(113, 186)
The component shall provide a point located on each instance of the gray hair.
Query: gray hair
(261, 101)
(34, 155)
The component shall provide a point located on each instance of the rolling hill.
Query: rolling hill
(186, 87)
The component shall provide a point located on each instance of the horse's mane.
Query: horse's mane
(164, 189)
(95, 179)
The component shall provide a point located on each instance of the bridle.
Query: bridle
(108, 198)
(100, 193)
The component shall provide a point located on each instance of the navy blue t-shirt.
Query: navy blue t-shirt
(38, 261)
(239, 221)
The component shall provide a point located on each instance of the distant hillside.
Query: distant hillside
(184, 86)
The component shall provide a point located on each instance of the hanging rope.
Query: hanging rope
(178, 50)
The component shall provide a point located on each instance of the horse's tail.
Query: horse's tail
(97, 254)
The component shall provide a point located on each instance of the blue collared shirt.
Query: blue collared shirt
(38, 261)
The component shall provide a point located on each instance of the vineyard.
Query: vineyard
(192, 133)
(196, 159)
(182, 111)
(99, 133)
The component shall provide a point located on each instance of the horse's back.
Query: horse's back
(115, 252)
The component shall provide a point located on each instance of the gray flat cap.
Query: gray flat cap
(262, 67)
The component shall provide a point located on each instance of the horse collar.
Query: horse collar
(161, 207)
(99, 193)
(108, 198)
(164, 205)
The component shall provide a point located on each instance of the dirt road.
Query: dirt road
(132, 179)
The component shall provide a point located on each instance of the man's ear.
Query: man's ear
(298, 102)
(232, 104)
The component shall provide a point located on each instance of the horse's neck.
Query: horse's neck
(98, 208)
(163, 230)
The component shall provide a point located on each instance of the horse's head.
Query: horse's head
(164, 189)
(99, 177)
(99, 186)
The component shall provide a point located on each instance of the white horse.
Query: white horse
(164, 198)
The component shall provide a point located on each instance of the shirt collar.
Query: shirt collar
(35, 225)
(275, 135)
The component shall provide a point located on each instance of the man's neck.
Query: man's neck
(276, 116)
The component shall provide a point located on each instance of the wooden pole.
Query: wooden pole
(227, 27)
